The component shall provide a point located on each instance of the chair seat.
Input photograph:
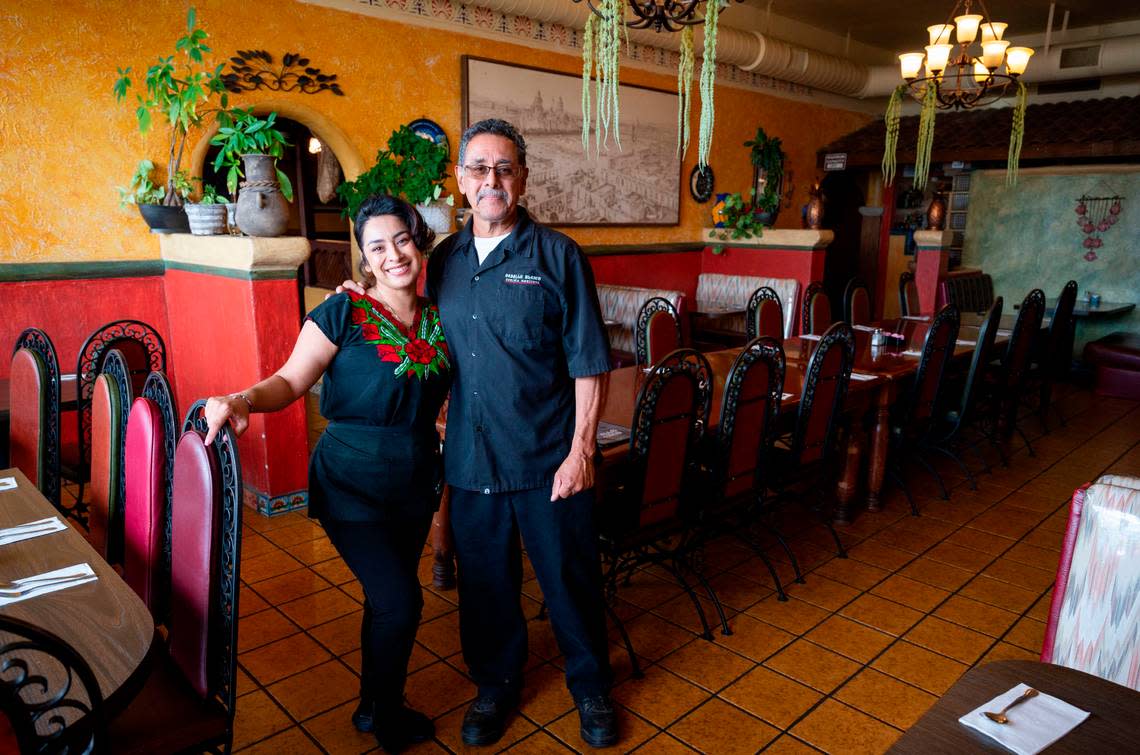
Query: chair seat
(167, 716)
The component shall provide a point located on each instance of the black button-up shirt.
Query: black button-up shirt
(521, 327)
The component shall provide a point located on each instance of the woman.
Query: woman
(374, 475)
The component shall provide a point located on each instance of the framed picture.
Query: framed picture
(639, 184)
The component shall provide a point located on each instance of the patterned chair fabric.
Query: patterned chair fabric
(145, 511)
(621, 304)
(734, 292)
(972, 292)
(1094, 618)
(105, 515)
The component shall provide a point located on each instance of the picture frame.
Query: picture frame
(636, 185)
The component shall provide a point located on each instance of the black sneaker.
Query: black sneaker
(362, 716)
(599, 722)
(486, 720)
(406, 727)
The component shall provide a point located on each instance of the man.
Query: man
(521, 314)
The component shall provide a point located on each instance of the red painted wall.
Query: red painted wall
(70, 310)
(672, 270)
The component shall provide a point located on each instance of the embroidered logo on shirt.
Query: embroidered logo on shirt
(421, 351)
(522, 279)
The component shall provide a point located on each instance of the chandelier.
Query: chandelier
(662, 15)
(961, 78)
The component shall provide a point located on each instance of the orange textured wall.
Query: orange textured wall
(68, 144)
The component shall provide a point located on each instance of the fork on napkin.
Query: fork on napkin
(1033, 725)
(31, 529)
(40, 584)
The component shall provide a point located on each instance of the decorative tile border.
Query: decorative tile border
(472, 19)
(272, 505)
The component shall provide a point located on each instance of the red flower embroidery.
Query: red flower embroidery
(388, 353)
(369, 331)
(420, 351)
(359, 315)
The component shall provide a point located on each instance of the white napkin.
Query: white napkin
(862, 376)
(1033, 725)
(809, 337)
(1004, 332)
(82, 572)
(7, 483)
(867, 328)
(911, 353)
(920, 318)
(964, 342)
(786, 396)
(30, 530)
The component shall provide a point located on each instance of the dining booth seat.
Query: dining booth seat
(1116, 362)
(969, 291)
(621, 305)
(734, 291)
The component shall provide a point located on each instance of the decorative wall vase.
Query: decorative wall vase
(164, 218)
(936, 213)
(718, 211)
(437, 215)
(813, 213)
(206, 219)
(261, 209)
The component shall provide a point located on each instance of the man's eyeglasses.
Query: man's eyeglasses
(502, 171)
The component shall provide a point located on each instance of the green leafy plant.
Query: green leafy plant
(768, 156)
(243, 133)
(412, 167)
(740, 220)
(210, 195)
(143, 190)
(178, 94)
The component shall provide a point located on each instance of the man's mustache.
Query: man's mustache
(489, 192)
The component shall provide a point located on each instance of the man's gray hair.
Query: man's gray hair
(498, 128)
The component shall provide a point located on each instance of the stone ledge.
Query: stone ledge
(776, 238)
(241, 253)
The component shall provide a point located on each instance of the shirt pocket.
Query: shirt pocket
(519, 318)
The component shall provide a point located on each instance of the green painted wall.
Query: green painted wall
(1027, 236)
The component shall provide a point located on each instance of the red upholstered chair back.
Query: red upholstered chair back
(658, 331)
(908, 294)
(1025, 331)
(857, 302)
(748, 413)
(145, 510)
(105, 454)
(765, 315)
(816, 315)
(825, 388)
(27, 430)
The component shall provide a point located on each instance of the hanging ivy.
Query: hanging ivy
(890, 149)
(685, 90)
(925, 137)
(708, 84)
(587, 75)
(1016, 134)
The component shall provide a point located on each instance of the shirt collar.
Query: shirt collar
(519, 241)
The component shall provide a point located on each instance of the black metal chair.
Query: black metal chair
(1056, 354)
(36, 356)
(157, 389)
(916, 414)
(946, 436)
(738, 454)
(815, 316)
(765, 315)
(908, 294)
(48, 692)
(809, 460)
(1009, 382)
(648, 516)
(111, 406)
(857, 302)
(658, 331)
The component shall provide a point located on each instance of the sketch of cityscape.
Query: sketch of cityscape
(640, 183)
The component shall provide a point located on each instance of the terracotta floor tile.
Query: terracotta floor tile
(354, 591)
(336, 734)
(1022, 575)
(835, 727)
(261, 523)
(664, 744)
(850, 638)
(257, 717)
(545, 697)
(319, 607)
(438, 688)
(647, 591)
(292, 741)
(284, 537)
(1006, 652)
(738, 592)
(316, 690)
(263, 628)
(719, 727)
(707, 664)
(447, 730)
(813, 665)
(539, 743)
(920, 667)
(441, 636)
(313, 551)
(341, 635)
(632, 731)
(680, 611)
(949, 639)
(982, 617)
(1044, 539)
(998, 593)
(258, 568)
(960, 556)
(979, 541)
(1033, 556)
(754, 638)
(654, 637)
(1009, 522)
(334, 570)
(852, 572)
(1028, 634)
(249, 602)
(937, 574)
(296, 584)
(1040, 609)
(435, 606)
(917, 595)
(253, 545)
(886, 698)
(789, 745)
(793, 615)
(771, 696)
(660, 697)
(879, 554)
(283, 658)
(882, 614)
(823, 592)
(245, 682)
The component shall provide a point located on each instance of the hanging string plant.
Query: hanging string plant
(890, 148)
(685, 70)
(925, 137)
(587, 75)
(1016, 134)
(708, 82)
(601, 57)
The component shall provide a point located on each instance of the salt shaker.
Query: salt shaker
(877, 337)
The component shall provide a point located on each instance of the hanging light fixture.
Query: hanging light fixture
(970, 71)
(662, 15)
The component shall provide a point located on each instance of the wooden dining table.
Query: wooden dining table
(104, 620)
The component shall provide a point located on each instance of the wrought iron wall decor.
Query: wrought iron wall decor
(1095, 215)
(256, 69)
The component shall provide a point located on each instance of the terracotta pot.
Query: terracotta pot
(261, 208)
(206, 219)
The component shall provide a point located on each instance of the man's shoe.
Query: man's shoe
(599, 722)
(486, 720)
(406, 727)
(362, 716)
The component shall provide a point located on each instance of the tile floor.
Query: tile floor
(856, 655)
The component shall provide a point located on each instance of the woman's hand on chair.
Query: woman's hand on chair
(221, 409)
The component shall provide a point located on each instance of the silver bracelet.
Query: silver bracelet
(244, 398)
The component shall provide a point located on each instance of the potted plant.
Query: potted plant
(250, 146)
(149, 196)
(207, 216)
(768, 175)
(178, 94)
(736, 218)
(412, 167)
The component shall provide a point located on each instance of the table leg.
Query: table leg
(849, 481)
(880, 439)
(443, 553)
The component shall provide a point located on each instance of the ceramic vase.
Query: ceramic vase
(261, 208)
